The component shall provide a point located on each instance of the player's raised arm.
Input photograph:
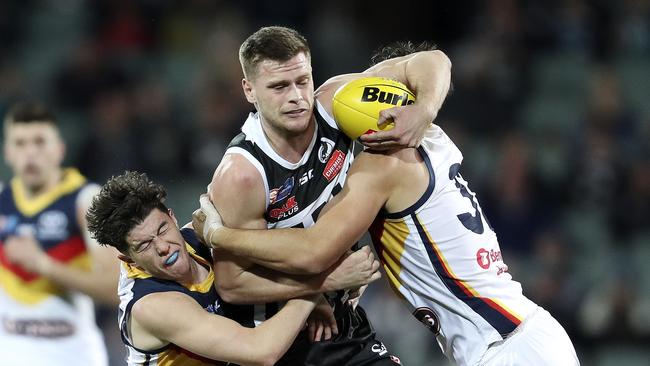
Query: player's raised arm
(426, 73)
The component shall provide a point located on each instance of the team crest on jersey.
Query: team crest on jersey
(334, 165)
(325, 149)
(289, 208)
(279, 194)
(52, 225)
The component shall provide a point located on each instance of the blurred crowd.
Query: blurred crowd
(549, 106)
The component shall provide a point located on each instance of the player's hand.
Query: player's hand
(353, 270)
(321, 323)
(410, 121)
(23, 250)
(206, 220)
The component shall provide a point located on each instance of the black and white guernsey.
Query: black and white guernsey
(295, 195)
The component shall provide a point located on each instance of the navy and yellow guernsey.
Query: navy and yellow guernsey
(32, 307)
(135, 284)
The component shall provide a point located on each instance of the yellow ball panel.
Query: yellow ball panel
(356, 104)
(361, 121)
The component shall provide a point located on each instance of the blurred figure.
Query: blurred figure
(49, 266)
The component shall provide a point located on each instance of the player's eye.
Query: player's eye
(142, 246)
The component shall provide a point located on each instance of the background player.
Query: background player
(49, 266)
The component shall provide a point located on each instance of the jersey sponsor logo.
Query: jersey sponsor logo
(52, 225)
(50, 328)
(325, 149)
(379, 348)
(279, 194)
(429, 318)
(288, 209)
(334, 165)
(485, 258)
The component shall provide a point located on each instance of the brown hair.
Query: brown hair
(123, 202)
(271, 43)
(29, 112)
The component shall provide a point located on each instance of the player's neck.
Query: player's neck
(198, 272)
(291, 147)
(49, 183)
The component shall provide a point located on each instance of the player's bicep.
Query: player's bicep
(237, 190)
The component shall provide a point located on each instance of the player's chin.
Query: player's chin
(297, 123)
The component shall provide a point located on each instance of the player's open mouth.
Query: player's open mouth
(171, 259)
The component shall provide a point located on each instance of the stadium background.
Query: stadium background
(550, 108)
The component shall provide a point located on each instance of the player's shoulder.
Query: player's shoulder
(238, 171)
(378, 165)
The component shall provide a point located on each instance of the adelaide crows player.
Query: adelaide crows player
(49, 266)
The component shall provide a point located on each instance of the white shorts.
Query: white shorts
(31, 335)
(539, 340)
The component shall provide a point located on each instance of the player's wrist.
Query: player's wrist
(212, 235)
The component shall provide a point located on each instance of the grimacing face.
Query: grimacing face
(34, 151)
(283, 93)
(156, 245)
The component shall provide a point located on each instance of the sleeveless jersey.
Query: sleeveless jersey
(135, 284)
(33, 309)
(295, 195)
(442, 256)
(295, 192)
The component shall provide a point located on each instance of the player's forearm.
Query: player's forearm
(428, 74)
(100, 286)
(284, 250)
(260, 285)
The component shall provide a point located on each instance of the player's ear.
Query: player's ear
(248, 90)
(171, 214)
